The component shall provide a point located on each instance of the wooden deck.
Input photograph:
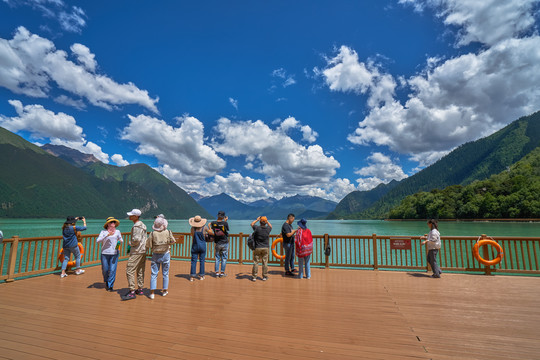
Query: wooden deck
(338, 314)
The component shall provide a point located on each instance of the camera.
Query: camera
(79, 217)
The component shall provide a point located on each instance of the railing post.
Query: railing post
(487, 268)
(326, 240)
(12, 259)
(241, 252)
(375, 259)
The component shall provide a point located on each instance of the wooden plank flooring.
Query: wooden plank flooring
(338, 314)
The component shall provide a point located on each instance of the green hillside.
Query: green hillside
(511, 194)
(34, 183)
(170, 198)
(472, 161)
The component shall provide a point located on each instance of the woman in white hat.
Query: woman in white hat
(198, 246)
(160, 241)
(111, 238)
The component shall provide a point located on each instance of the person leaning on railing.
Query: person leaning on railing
(433, 241)
(70, 246)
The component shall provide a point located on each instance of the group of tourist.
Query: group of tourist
(218, 232)
(159, 241)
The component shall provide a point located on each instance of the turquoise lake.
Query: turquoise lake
(52, 227)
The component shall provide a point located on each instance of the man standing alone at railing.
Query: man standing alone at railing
(287, 233)
(137, 255)
(261, 234)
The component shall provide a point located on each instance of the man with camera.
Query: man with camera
(70, 246)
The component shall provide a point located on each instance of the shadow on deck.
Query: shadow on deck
(338, 314)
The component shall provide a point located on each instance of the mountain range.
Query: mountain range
(36, 183)
(476, 160)
(310, 207)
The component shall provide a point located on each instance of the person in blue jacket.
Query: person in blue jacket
(198, 246)
(70, 246)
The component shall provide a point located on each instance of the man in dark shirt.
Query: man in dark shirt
(287, 233)
(261, 234)
(220, 230)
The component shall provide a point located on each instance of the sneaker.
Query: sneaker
(253, 278)
(165, 293)
(79, 272)
(63, 275)
(201, 277)
(223, 274)
(288, 273)
(309, 277)
(218, 274)
(191, 278)
(129, 296)
(435, 276)
(294, 270)
(151, 296)
(139, 292)
(265, 278)
(111, 289)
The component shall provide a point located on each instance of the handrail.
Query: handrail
(21, 257)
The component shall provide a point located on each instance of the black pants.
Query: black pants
(432, 260)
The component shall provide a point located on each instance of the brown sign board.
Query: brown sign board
(400, 244)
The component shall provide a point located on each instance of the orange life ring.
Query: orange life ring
(274, 244)
(476, 252)
(71, 263)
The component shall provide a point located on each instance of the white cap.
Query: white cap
(134, 212)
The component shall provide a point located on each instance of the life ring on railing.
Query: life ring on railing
(274, 252)
(476, 252)
(71, 263)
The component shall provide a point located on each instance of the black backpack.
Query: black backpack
(251, 242)
(219, 230)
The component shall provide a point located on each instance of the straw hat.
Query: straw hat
(110, 220)
(197, 221)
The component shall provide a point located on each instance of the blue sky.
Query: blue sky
(259, 98)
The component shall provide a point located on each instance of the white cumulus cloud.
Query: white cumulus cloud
(381, 169)
(31, 65)
(287, 166)
(119, 160)
(454, 100)
(487, 21)
(183, 156)
(59, 128)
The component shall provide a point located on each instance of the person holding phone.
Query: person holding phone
(70, 246)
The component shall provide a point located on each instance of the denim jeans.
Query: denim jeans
(222, 252)
(289, 256)
(202, 257)
(432, 260)
(76, 254)
(164, 260)
(301, 262)
(108, 268)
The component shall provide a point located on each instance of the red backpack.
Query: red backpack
(303, 243)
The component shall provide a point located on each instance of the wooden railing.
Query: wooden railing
(22, 257)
